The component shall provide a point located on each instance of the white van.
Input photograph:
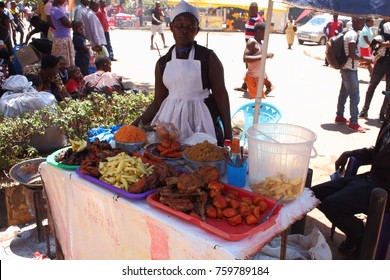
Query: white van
(313, 30)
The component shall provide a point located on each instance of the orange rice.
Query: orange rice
(130, 134)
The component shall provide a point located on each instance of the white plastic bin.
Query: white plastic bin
(279, 156)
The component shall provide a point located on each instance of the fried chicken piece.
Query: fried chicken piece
(189, 183)
(209, 174)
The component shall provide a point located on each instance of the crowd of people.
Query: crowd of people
(72, 51)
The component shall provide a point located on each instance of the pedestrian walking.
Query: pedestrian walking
(290, 30)
(157, 20)
(331, 29)
(254, 16)
(253, 56)
(349, 78)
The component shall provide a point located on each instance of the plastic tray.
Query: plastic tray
(113, 189)
(220, 227)
(51, 159)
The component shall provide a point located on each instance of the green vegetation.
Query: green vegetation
(73, 117)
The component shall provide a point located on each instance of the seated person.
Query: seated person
(75, 85)
(40, 26)
(344, 197)
(63, 69)
(103, 80)
(7, 68)
(48, 71)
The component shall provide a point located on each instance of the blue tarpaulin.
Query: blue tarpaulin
(380, 8)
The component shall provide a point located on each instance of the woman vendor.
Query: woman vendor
(190, 88)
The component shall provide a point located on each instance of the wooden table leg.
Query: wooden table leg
(38, 205)
(283, 244)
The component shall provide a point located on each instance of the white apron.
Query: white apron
(184, 106)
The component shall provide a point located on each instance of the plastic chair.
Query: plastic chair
(268, 114)
(376, 237)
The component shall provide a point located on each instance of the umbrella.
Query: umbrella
(377, 8)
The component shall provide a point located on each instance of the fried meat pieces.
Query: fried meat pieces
(190, 193)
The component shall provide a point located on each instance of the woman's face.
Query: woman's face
(184, 29)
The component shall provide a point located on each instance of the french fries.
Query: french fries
(123, 170)
(275, 186)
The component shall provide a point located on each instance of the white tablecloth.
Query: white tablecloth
(93, 223)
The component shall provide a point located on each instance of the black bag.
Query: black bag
(295, 28)
(335, 52)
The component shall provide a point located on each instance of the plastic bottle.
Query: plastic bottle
(227, 145)
(235, 150)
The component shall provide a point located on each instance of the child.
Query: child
(75, 85)
(63, 69)
(80, 47)
(252, 56)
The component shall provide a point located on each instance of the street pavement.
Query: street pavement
(306, 94)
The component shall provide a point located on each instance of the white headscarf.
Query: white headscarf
(184, 7)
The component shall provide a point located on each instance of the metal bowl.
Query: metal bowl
(221, 164)
(27, 173)
(129, 147)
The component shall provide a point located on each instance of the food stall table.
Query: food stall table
(93, 223)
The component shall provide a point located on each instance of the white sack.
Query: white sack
(299, 247)
(22, 97)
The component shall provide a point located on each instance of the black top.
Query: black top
(156, 15)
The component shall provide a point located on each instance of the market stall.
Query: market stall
(93, 223)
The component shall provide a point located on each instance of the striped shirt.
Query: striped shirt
(250, 25)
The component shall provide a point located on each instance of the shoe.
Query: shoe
(356, 127)
(240, 89)
(268, 90)
(363, 115)
(341, 120)
(165, 47)
(113, 59)
(325, 65)
(381, 118)
(151, 47)
(347, 248)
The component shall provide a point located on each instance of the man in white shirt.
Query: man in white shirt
(93, 28)
(81, 10)
(349, 78)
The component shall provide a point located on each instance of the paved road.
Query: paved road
(306, 93)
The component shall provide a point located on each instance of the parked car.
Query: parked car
(313, 30)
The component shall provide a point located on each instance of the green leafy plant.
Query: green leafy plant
(74, 119)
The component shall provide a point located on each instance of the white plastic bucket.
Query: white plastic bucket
(279, 156)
